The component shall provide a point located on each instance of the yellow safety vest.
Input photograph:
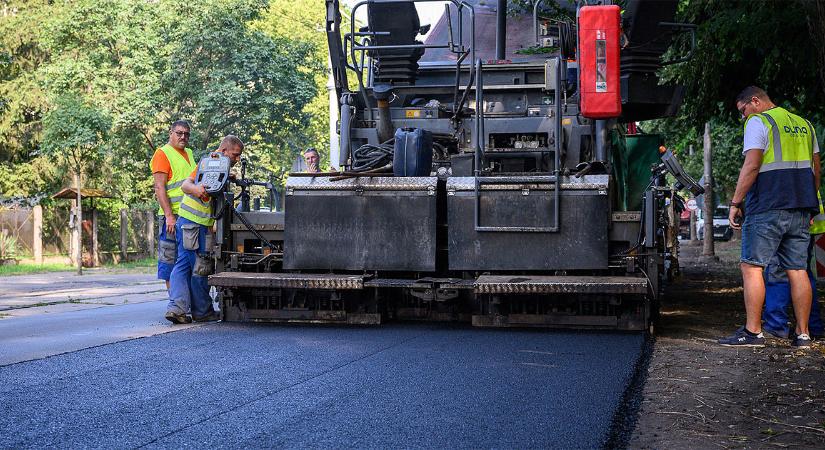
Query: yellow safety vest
(181, 168)
(818, 227)
(195, 209)
(790, 149)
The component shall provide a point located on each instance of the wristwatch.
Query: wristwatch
(736, 204)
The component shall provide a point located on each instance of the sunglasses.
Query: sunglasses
(742, 109)
(182, 133)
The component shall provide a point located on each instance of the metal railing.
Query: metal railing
(532, 179)
(352, 44)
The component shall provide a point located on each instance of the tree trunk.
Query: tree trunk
(707, 249)
(79, 222)
(693, 237)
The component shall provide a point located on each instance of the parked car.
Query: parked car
(721, 225)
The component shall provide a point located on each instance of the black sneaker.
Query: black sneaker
(801, 341)
(177, 318)
(211, 317)
(742, 338)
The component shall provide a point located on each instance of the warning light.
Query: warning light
(662, 149)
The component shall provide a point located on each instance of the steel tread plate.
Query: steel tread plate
(568, 183)
(424, 283)
(395, 283)
(517, 284)
(286, 280)
(365, 183)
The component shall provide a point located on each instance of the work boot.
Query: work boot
(210, 317)
(177, 318)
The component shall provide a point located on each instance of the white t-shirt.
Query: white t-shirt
(756, 136)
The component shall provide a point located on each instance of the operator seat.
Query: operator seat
(400, 20)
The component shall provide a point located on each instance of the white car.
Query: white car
(721, 226)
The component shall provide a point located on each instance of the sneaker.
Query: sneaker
(211, 317)
(779, 334)
(177, 318)
(801, 341)
(741, 338)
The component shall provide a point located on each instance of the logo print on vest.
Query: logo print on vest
(795, 130)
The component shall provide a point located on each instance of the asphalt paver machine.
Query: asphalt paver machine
(486, 175)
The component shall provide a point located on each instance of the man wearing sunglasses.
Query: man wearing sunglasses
(775, 198)
(170, 166)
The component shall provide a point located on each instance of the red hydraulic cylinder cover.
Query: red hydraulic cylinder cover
(600, 91)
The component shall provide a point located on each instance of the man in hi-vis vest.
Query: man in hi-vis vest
(778, 290)
(170, 165)
(189, 287)
(776, 197)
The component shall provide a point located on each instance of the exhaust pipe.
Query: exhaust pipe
(383, 126)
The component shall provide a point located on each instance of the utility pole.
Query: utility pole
(707, 249)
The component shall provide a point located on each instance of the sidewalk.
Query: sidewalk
(24, 295)
(47, 314)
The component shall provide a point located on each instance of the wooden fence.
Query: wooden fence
(110, 240)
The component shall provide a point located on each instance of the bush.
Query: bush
(8, 245)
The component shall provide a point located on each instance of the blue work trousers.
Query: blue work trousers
(778, 297)
(166, 251)
(186, 288)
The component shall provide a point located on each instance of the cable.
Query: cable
(370, 156)
(255, 232)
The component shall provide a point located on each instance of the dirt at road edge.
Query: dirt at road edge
(699, 394)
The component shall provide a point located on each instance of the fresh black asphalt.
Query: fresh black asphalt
(394, 386)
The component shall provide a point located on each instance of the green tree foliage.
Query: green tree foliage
(229, 66)
(772, 44)
(739, 43)
(304, 22)
(145, 64)
(75, 132)
(22, 99)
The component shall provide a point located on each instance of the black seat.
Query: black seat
(401, 21)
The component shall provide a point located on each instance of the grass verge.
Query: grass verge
(24, 269)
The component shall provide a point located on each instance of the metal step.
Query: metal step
(420, 283)
(538, 284)
(286, 280)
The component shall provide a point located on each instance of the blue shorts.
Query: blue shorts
(167, 251)
(778, 232)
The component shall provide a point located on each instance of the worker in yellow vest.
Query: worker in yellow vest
(170, 165)
(778, 290)
(189, 288)
(775, 198)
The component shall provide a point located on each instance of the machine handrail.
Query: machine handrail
(458, 49)
(479, 180)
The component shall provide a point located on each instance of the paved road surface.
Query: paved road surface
(239, 385)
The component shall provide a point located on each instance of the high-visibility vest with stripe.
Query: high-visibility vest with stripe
(181, 168)
(195, 209)
(786, 178)
(818, 227)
